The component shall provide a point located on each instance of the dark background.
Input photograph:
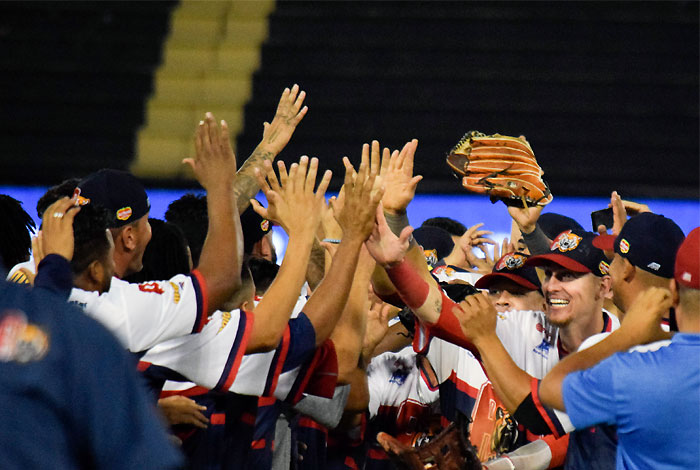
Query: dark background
(606, 92)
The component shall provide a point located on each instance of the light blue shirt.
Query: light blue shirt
(652, 397)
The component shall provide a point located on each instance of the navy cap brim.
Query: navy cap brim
(487, 280)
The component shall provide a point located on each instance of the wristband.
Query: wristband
(412, 288)
(331, 240)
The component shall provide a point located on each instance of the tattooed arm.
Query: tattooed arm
(276, 135)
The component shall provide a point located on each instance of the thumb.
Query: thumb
(189, 161)
(405, 234)
(258, 208)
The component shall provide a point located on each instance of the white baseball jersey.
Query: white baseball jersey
(398, 386)
(143, 315)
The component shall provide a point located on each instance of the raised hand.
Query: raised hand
(214, 163)
(289, 113)
(386, 248)
(525, 217)
(398, 179)
(362, 192)
(56, 236)
(292, 201)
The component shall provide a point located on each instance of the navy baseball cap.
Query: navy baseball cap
(117, 191)
(552, 224)
(648, 241)
(511, 266)
(254, 227)
(574, 250)
(436, 242)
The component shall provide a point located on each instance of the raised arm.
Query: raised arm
(362, 195)
(276, 135)
(214, 167)
(295, 206)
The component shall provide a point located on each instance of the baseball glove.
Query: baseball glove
(502, 167)
(449, 450)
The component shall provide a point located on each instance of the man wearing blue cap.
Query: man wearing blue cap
(127, 203)
(644, 253)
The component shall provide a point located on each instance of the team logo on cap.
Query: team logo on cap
(124, 213)
(431, 257)
(510, 262)
(81, 199)
(624, 246)
(604, 268)
(265, 225)
(566, 241)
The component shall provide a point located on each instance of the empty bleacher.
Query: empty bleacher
(607, 92)
(74, 77)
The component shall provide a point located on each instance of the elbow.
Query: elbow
(263, 343)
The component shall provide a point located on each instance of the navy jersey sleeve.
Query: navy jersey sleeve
(302, 342)
(55, 275)
(589, 395)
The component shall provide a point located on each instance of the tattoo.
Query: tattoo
(246, 186)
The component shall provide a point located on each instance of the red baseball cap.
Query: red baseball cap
(687, 272)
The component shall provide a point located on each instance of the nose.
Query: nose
(550, 283)
(503, 300)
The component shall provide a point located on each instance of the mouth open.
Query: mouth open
(558, 302)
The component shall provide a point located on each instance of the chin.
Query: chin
(559, 319)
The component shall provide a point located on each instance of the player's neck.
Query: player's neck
(573, 334)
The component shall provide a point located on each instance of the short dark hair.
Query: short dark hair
(165, 255)
(451, 226)
(189, 213)
(15, 235)
(65, 188)
(263, 271)
(90, 235)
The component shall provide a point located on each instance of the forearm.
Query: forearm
(246, 187)
(423, 296)
(220, 260)
(511, 383)
(536, 241)
(317, 264)
(328, 300)
(349, 332)
(551, 386)
(274, 310)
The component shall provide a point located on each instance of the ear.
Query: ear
(606, 287)
(628, 270)
(128, 237)
(96, 273)
(673, 287)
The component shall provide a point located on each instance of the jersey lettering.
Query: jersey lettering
(152, 287)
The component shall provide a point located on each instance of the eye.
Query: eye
(566, 277)
(494, 292)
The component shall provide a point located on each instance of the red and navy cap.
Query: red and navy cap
(117, 191)
(254, 227)
(648, 241)
(511, 266)
(687, 266)
(574, 251)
